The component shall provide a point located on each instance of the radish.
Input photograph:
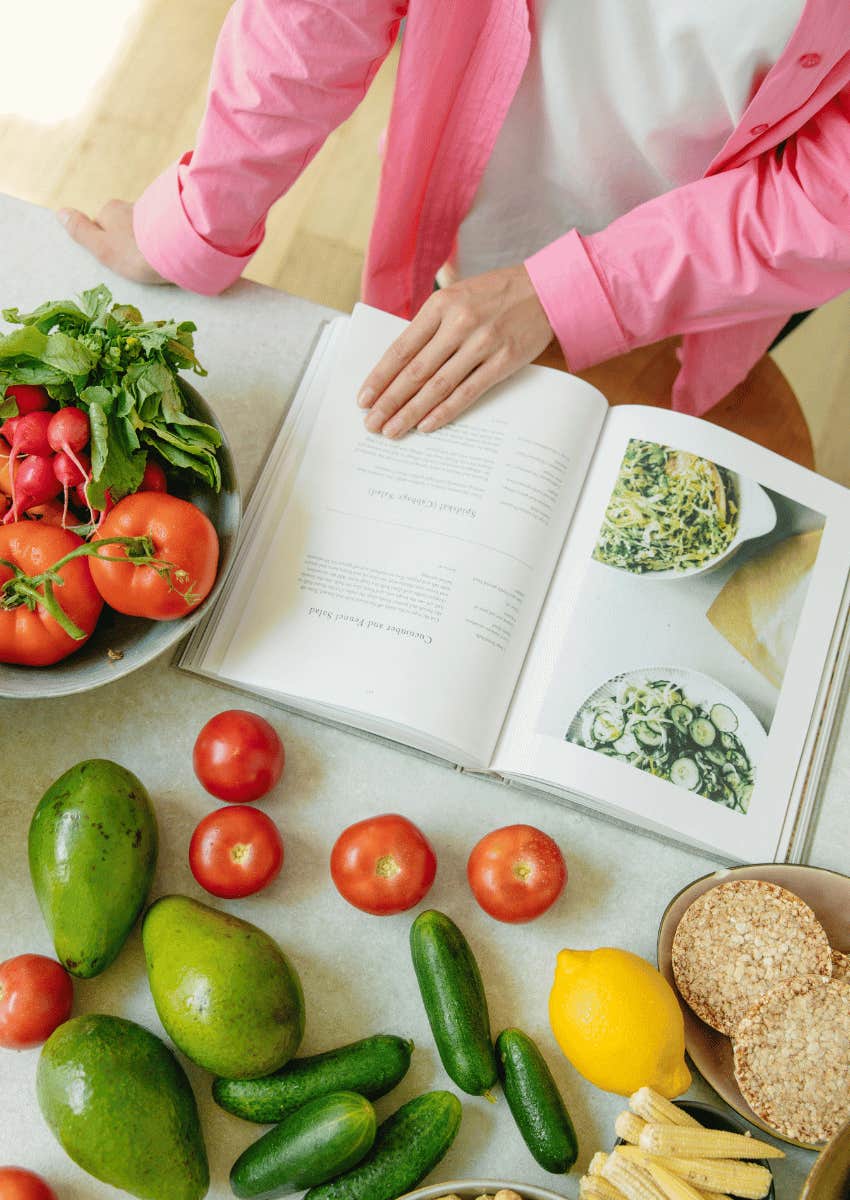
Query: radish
(28, 398)
(153, 479)
(35, 483)
(27, 435)
(71, 473)
(68, 433)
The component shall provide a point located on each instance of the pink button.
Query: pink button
(757, 129)
(808, 60)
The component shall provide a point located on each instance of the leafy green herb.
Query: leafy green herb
(123, 371)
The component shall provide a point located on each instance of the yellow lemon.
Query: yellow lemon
(618, 1022)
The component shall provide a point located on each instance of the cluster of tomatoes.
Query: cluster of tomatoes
(53, 585)
(381, 865)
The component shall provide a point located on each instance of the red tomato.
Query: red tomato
(18, 1184)
(153, 479)
(36, 995)
(182, 535)
(383, 865)
(35, 638)
(238, 756)
(235, 852)
(516, 873)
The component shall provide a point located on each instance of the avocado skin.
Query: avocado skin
(92, 853)
(120, 1105)
(227, 995)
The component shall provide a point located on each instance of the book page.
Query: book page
(404, 578)
(682, 647)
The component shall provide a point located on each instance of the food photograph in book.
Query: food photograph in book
(684, 623)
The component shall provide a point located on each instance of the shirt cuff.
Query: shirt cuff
(171, 244)
(575, 302)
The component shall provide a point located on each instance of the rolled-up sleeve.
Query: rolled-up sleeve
(285, 74)
(749, 244)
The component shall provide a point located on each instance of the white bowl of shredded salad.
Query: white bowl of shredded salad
(673, 515)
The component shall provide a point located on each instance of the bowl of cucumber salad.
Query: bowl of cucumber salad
(678, 725)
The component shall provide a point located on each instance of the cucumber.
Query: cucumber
(681, 716)
(723, 717)
(685, 773)
(408, 1145)
(372, 1067)
(454, 1000)
(319, 1141)
(703, 732)
(649, 733)
(535, 1102)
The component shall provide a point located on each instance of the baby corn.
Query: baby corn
(594, 1187)
(673, 1187)
(653, 1107)
(633, 1180)
(594, 1167)
(629, 1127)
(665, 1140)
(748, 1180)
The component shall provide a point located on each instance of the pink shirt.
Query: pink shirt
(722, 260)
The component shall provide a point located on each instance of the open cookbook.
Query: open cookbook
(626, 608)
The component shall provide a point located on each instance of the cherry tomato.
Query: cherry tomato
(238, 756)
(516, 873)
(182, 535)
(36, 639)
(235, 852)
(383, 865)
(18, 1184)
(36, 995)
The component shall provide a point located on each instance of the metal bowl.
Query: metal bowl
(134, 641)
(471, 1189)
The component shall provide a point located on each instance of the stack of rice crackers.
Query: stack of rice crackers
(753, 961)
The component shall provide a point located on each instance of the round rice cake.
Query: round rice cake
(739, 939)
(840, 965)
(792, 1057)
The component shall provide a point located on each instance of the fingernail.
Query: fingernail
(365, 397)
(392, 429)
(63, 216)
(427, 426)
(374, 422)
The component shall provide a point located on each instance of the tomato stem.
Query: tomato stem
(22, 589)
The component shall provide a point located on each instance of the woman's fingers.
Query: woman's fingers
(110, 238)
(436, 391)
(465, 339)
(417, 335)
(491, 372)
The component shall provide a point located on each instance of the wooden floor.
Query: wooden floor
(142, 113)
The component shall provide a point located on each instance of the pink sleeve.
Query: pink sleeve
(285, 74)
(754, 243)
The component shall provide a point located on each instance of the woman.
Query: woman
(609, 174)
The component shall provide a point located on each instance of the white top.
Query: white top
(621, 100)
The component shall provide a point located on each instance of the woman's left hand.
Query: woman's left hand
(464, 339)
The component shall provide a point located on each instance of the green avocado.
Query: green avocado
(119, 1103)
(228, 996)
(92, 855)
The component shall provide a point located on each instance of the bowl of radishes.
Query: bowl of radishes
(119, 505)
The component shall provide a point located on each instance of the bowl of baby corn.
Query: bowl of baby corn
(680, 1151)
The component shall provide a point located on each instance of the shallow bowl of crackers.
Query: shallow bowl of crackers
(759, 957)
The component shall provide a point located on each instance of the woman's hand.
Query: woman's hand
(111, 240)
(465, 339)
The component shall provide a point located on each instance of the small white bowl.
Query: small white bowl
(756, 517)
(471, 1189)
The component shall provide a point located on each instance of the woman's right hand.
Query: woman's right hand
(111, 240)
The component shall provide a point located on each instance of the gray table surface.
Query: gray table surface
(356, 969)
